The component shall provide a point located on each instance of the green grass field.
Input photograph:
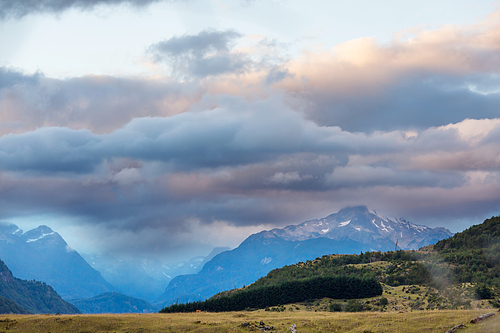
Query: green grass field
(306, 321)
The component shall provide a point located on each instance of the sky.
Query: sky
(163, 129)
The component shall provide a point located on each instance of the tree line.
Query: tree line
(337, 287)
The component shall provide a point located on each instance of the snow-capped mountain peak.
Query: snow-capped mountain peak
(361, 224)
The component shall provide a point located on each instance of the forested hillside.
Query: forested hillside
(474, 254)
(8, 306)
(33, 296)
(402, 267)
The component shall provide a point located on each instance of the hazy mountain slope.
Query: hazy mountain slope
(351, 230)
(42, 254)
(34, 296)
(254, 258)
(113, 303)
(8, 306)
(141, 277)
(128, 277)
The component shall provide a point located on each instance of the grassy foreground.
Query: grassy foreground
(306, 321)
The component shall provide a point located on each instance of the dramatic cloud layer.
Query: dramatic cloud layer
(218, 165)
(229, 134)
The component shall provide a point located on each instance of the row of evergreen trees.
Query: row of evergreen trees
(337, 287)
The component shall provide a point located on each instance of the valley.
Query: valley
(457, 275)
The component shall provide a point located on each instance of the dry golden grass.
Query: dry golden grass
(306, 321)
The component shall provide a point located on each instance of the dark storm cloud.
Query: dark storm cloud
(255, 133)
(49, 150)
(416, 102)
(20, 8)
(236, 133)
(189, 140)
(207, 53)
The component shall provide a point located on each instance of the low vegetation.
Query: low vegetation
(240, 322)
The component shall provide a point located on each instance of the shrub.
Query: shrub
(354, 306)
(483, 292)
(335, 307)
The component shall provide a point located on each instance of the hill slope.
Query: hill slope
(33, 296)
(474, 254)
(8, 306)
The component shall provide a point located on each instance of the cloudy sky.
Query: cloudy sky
(165, 128)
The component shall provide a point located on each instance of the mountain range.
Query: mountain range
(351, 230)
(467, 271)
(42, 254)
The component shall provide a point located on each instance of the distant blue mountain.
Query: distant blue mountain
(142, 277)
(351, 230)
(42, 254)
(113, 303)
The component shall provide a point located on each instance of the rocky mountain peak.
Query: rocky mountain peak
(43, 234)
(7, 228)
(358, 223)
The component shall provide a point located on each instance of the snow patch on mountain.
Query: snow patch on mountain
(266, 260)
(42, 236)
